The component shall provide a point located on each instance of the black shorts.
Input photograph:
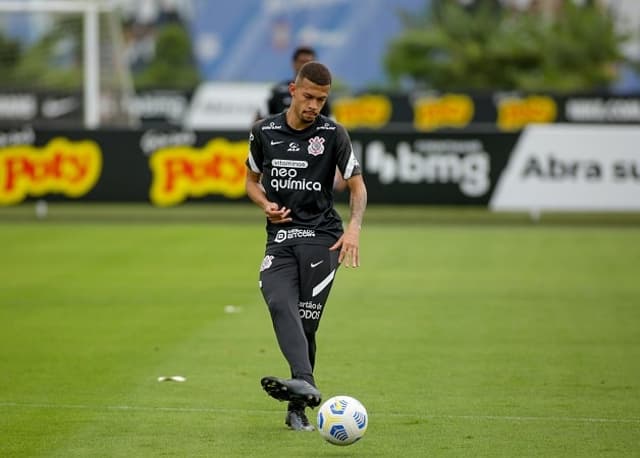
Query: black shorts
(300, 275)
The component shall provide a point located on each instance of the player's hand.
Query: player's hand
(349, 245)
(277, 215)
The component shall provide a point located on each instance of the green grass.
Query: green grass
(463, 333)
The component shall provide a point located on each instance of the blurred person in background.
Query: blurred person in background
(280, 99)
(293, 156)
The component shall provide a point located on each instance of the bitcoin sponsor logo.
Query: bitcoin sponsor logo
(291, 234)
(449, 110)
(179, 172)
(281, 236)
(62, 166)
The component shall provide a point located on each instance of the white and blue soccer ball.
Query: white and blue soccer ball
(342, 420)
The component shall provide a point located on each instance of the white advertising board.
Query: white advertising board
(562, 167)
(219, 105)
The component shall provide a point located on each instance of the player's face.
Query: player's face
(307, 100)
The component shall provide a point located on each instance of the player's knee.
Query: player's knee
(277, 304)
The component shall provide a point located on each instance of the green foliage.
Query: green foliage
(173, 65)
(54, 61)
(452, 48)
(9, 56)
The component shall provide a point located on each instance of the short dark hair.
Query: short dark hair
(316, 73)
(302, 50)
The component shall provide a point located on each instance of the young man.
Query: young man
(291, 166)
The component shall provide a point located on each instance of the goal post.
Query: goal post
(89, 12)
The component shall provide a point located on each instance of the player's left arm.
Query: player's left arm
(349, 243)
(349, 167)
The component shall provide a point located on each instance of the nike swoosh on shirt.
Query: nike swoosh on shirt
(316, 264)
(276, 143)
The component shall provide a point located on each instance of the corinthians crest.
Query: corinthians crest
(316, 146)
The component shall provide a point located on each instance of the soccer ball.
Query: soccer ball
(342, 420)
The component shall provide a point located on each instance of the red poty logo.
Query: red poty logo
(316, 146)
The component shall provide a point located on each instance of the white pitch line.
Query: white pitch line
(552, 419)
(508, 418)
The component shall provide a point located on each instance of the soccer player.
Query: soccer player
(292, 160)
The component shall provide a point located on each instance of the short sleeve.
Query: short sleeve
(255, 159)
(347, 162)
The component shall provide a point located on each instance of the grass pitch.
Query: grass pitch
(462, 333)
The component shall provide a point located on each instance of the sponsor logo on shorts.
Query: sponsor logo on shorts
(309, 310)
(266, 262)
(290, 234)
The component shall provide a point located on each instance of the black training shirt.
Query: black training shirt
(298, 170)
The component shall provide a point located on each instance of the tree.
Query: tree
(173, 65)
(9, 57)
(55, 60)
(487, 48)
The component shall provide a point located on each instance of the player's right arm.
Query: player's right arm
(255, 191)
(253, 186)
